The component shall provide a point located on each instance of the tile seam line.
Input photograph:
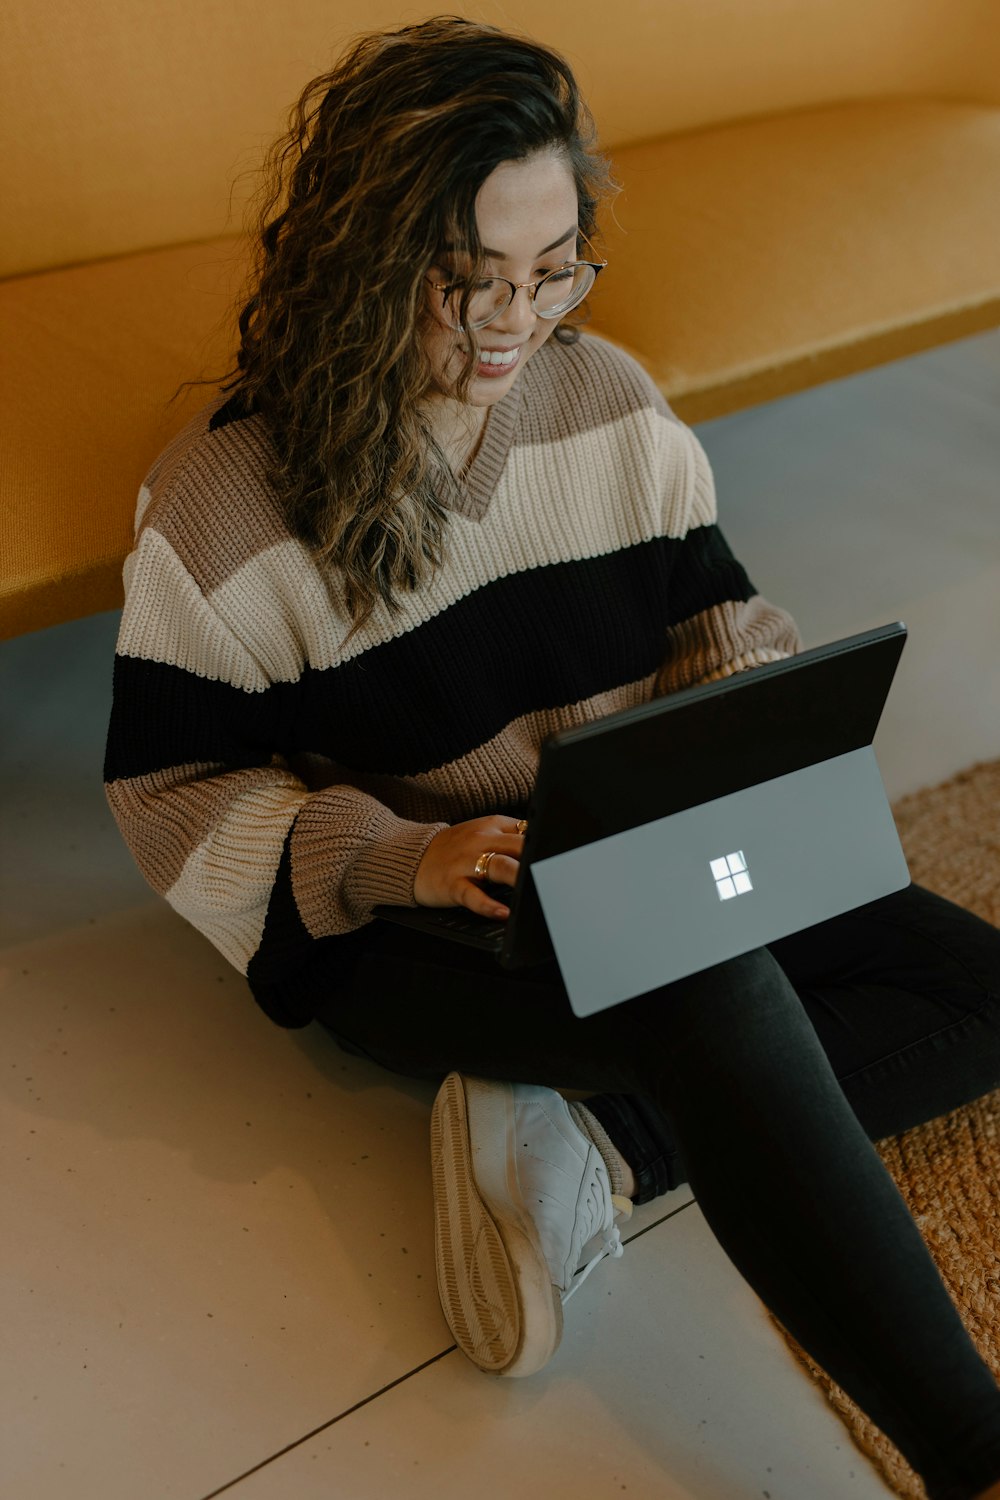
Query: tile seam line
(638, 1234)
(409, 1374)
(324, 1426)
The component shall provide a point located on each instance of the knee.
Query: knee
(738, 1021)
(714, 998)
(744, 1004)
(753, 979)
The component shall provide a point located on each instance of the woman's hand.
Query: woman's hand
(446, 874)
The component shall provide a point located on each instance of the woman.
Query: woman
(428, 525)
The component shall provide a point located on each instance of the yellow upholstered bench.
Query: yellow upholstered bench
(755, 259)
(809, 190)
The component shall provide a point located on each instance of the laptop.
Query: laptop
(672, 836)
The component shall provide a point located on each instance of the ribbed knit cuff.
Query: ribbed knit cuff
(643, 1135)
(595, 1132)
(384, 872)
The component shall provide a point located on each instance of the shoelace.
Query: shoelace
(612, 1246)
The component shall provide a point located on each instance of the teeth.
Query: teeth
(498, 356)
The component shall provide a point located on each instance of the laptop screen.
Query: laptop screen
(709, 741)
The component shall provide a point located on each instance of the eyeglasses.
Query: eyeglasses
(551, 296)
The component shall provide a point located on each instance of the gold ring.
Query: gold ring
(522, 826)
(483, 863)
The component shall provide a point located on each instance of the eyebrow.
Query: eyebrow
(571, 233)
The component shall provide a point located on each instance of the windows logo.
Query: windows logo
(731, 876)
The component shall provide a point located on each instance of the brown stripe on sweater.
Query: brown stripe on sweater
(729, 636)
(333, 896)
(214, 504)
(597, 383)
(166, 462)
(166, 816)
(349, 853)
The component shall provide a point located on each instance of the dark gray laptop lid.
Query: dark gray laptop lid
(705, 742)
(640, 909)
(695, 746)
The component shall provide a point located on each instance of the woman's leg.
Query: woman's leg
(800, 1201)
(904, 994)
(905, 997)
(784, 1173)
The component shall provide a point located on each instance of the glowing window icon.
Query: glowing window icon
(731, 876)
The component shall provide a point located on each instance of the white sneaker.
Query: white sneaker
(519, 1191)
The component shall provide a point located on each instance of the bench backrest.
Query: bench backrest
(127, 123)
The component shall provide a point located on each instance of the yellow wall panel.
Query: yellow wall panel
(126, 124)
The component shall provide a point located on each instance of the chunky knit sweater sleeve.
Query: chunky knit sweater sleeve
(275, 783)
(259, 846)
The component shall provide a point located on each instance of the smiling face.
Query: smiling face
(526, 214)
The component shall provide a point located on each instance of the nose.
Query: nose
(518, 317)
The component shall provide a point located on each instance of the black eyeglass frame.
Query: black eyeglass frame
(531, 287)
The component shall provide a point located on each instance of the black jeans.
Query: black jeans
(763, 1082)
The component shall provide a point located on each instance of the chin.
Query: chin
(488, 392)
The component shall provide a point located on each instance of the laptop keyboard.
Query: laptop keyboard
(459, 919)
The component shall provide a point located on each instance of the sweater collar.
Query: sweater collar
(469, 494)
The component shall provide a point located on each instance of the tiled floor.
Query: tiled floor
(216, 1267)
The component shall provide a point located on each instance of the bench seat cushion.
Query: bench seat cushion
(745, 262)
(753, 260)
(89, 361)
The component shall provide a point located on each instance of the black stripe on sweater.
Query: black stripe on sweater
(165, 716)
(543, 638)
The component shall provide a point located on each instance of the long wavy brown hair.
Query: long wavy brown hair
(379, 168)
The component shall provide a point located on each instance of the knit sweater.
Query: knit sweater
(275, 784)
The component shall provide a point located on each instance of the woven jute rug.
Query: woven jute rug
(948, 1170)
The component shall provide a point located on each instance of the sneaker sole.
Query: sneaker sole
(493, 1280)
